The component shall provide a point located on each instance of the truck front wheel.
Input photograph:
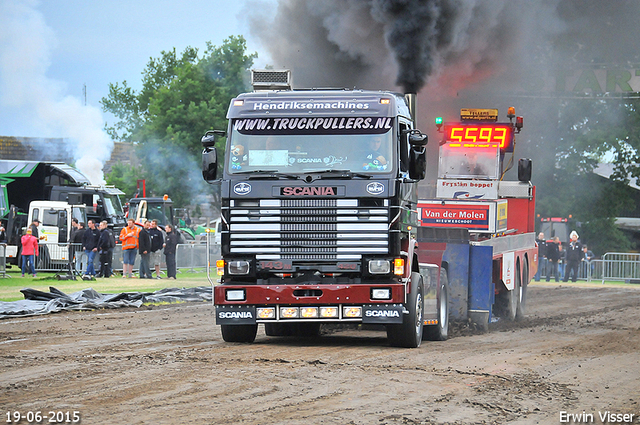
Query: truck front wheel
(239, 333)
(409, 333)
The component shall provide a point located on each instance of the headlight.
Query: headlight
(235, 295)
(289, 312)
(266, 313)
(309, 312)
(379, 266)
(238, 267)
(329, 312)
(381, 294)
(352, 311)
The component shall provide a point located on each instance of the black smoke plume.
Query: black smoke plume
(415, 30)
(445, 46)
(470, 54)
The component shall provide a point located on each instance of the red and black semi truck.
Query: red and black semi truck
(321, 222)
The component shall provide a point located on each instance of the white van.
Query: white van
(216, 225)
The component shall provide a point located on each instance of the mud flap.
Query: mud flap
(456, 256)
(384, 314)
(481, 293)
(235, 315)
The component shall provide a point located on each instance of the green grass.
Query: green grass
(10, 287)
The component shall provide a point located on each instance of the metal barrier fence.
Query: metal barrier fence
(190, 256)
(613, 266)
(620, 266)
(55, 258)
(588, 270)
(3, 260)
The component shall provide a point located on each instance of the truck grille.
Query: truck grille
(308, 229)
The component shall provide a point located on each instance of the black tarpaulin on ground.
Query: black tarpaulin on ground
(39, 302)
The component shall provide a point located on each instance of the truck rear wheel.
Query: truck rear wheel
(507, 301)
(522, 302)
(409, 333)
(440, 332)
(239, 333)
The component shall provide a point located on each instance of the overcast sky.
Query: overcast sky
(51, 48)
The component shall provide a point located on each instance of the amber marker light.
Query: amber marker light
(220, 267)
(398, 266)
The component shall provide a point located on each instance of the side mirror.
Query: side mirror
(209, 164)
(210, 155)
(524, 170)
(418, 162)
(416, 138)
(212, 137)
(62, 219)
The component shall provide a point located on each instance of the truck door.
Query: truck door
(54, 230)
(49, 228)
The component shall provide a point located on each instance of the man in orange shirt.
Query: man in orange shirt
(129, 238)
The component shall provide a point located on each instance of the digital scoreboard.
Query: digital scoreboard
(478, 129)
(480, 134)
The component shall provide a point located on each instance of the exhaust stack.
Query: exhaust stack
(410, 98)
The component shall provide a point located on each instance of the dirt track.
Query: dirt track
(579, 350)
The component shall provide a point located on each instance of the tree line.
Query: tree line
(182, 96)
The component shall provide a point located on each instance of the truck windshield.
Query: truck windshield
(460, 162)
(50, 217)
(306, 145)
(113, 205)
(160, 212)
(79, 213)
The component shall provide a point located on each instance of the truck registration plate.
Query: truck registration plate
(280, 265)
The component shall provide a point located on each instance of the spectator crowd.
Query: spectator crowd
(563, 262)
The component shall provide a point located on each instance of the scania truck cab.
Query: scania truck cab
(319, 218)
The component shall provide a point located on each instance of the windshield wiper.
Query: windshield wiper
(267, 174)
(345, 174)
(255, 171)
